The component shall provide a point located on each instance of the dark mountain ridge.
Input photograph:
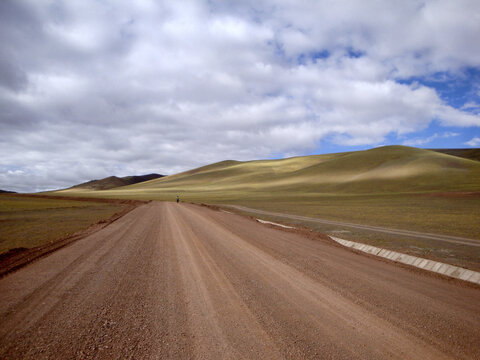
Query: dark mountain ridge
(472, 154)
(115, 181)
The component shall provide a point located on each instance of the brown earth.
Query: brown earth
(454, 194)
(179, 281)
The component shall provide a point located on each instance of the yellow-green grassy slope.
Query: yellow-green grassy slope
(385, 170)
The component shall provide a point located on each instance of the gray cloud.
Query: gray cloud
(89, 89)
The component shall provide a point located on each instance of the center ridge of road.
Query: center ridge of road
(182, 281)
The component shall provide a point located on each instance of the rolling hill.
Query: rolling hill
(112, 182)
(389, 169)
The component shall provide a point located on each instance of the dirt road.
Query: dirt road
(178, 281)
(409, 233)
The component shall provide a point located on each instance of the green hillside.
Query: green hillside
(390, 169)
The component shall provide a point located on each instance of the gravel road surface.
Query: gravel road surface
(179, 281)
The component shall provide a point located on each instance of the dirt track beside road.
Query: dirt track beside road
(408, 233)
(180, 281)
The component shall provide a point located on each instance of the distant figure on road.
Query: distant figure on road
(178, 199)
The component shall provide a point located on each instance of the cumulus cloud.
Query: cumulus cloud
(474, 142)
(424, 141)
(89, 89)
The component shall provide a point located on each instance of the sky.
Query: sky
(90, 89)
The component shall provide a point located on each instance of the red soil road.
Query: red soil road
(179, 281)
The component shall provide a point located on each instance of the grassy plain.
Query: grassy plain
(458, 216)
(26, 222)
(395, 186)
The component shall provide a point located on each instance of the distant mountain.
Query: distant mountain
(114, 182)
(472, 154)
(7, 192)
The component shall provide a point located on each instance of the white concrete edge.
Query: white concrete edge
(430, 265)
(276, 224)
(225, 211)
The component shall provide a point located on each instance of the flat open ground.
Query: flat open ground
(418, 225)
(30, 221)
(181, 281)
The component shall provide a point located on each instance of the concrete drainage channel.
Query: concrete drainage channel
(272, 223)
(430, 265)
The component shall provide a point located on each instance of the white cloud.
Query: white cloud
(414, 37)
(91, 89)
(424, 141)
(472, 106)
(474, 142)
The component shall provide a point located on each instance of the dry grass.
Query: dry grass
(392, 169)
(26, 222)
(433, 214)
